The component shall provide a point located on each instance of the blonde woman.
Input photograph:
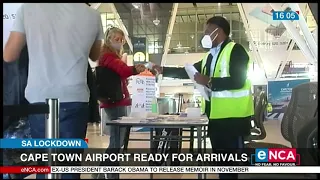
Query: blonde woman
(111, 58)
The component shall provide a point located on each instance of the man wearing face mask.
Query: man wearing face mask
(224, 70)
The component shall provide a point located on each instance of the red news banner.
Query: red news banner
(25, 170)
(157, 169)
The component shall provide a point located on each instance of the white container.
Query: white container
(193, 112)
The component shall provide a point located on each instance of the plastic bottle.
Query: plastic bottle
(154, 106)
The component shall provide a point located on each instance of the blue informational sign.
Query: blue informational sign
(279, 95)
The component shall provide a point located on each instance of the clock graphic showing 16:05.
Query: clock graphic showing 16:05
(285, 15)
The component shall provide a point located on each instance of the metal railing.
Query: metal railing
(51, 109)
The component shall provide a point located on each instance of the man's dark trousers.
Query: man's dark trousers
(223, 138)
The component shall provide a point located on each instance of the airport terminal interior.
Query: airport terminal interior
(284, 55)
(173, 33)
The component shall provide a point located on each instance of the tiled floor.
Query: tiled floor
(97, 141)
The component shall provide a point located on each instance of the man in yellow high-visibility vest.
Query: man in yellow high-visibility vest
(224, 70)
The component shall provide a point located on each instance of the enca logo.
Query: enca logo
(276, 155)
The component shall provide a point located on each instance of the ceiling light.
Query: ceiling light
(179, 45)
(136, 5)
(219, 4)
(156, 22)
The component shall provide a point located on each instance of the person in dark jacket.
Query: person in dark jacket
(94, 115)
(224, 70)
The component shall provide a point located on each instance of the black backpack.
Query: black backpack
(109, 85)
(15, 75)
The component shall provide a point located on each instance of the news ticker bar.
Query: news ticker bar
(155, 169)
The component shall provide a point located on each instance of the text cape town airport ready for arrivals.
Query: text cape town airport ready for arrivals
(137, 157)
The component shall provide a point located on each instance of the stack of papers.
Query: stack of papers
(204, 91)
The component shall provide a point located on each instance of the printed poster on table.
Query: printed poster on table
(279, 95)
(143, 92)
(9, 15)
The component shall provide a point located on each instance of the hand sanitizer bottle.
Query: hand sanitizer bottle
(154, 106)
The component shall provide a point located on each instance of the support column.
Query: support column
(306, 32)
(169, 32)
(196, 35)
(130, 26)
(168, 38)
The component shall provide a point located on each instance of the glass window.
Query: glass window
(236, 23)
(151, 48)
(182, 12)
(227, 16)
(140, 29)
(238, 34)
(103, 19)
(200, 36)
(112, 23)
(155, 47)
(188, 27)
(110, 16)
(235, 16)
(245, 43)
(192, 18)
(183, 37)
(125, 22)
(178, 19)
(201, 27)
(185, 18)
(236, 40)
(200, 11)
(202, 18)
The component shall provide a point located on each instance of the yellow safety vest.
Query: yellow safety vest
(269, 108)
(228, 103)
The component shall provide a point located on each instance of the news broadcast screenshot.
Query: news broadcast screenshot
(160, 91)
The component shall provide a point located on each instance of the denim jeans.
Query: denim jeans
(114, 114)
(73, 119)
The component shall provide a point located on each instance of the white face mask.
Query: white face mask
(206, 40)
(116, 45)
